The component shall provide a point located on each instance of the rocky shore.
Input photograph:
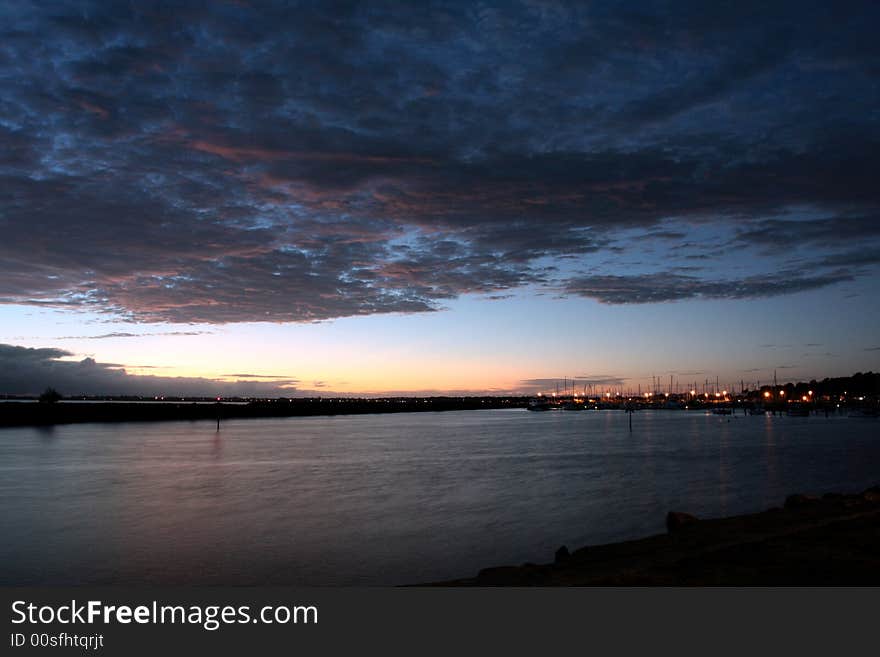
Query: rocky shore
(810, 541)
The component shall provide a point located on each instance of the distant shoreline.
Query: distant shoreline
(811, 541)
(18, 414)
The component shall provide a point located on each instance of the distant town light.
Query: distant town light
(766, 394)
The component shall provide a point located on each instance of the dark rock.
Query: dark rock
(562, 554)
(799, 500)
(497, 573)
(510, 576)
(676, 520)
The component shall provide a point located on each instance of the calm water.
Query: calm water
(388, 499)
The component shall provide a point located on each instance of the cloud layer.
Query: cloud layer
(28, 371)
(238, 163)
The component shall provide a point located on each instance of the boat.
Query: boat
(721, 411)
(864, 412)
(540, 404)
(797, 410)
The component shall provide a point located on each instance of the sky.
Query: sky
(436, 197)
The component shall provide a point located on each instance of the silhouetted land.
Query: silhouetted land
(24, 414)
(833, 540)
(839, 395)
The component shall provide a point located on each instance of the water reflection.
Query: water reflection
(46, 432)
(389, 498)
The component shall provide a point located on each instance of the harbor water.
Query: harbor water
(390, 499)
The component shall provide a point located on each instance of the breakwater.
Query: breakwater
(37, 414)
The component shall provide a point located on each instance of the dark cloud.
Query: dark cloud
(224, 163)
(865, 256)
(664, 286)
(29, 371)
(587, 381)
(780, 234)
(259, 376)
(107, 336)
